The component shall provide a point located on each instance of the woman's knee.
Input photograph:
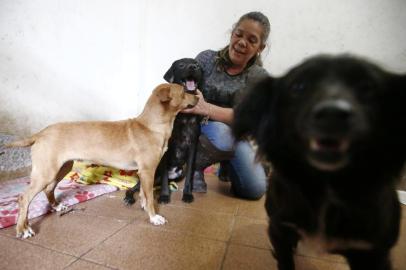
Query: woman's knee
(248, 177)
(249, 192)
(219, 134)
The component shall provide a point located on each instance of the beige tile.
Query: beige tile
(253, 209)
(217, 231)
(81, 265)
(243, 257)
(307, 263)
(206, 224)
(111, 206)
(215, 185)
(142, 247)
(20, 255)
(250, 232)
(73, 233)
(217, 199)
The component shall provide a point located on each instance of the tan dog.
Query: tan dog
(132, 144)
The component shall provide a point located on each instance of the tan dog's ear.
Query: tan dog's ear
(164, 92)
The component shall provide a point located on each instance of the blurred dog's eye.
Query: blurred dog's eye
(297, 88)
(182, 65)
(366, 89)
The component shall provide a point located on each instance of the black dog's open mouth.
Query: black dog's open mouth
(190, 84)
(327, 153)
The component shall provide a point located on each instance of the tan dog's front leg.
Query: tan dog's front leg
(147, 196)
(143, 201)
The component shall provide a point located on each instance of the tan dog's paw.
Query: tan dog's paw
(60, 207)
(158, 220)
(26, 233)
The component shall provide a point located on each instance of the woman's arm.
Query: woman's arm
(211, 111)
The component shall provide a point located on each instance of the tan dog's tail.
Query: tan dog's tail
(22, 143)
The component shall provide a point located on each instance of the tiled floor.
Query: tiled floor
(217, 231)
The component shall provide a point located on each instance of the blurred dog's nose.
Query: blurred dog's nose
(332, 115)
(193, 67)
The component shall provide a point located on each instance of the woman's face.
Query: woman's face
(245, 42)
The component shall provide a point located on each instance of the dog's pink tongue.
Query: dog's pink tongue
(190, 85)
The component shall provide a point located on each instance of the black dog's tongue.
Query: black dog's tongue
(190, 85)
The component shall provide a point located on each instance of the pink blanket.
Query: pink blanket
(67, 191)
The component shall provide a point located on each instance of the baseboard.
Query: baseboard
(402, 196)
(9, 175)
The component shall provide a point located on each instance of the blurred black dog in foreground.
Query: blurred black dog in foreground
(333, 129)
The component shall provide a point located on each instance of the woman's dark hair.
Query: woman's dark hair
(223, 59)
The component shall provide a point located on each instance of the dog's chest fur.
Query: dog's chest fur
(185, 131)
(323, 239)
(324, 221)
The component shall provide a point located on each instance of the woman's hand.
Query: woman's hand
(201, 108)
(211, 111)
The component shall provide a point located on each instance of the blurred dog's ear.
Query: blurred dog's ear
(398, 83)
(396, 87)
(169, 75)
(250, 110)
(164, 92)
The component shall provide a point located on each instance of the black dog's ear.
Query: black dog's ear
(169, 75)
(251, 108)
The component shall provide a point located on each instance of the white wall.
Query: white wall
(69, 60)
(90, 59)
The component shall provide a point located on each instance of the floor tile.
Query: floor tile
(250, 232)
(112, 206)
(86, 265)
(253, 209)
(218, 199)
(247, 258)
(307, 263)
(206, 224)
(216, 231)
(20, 255)
(73, 233)
(141, 247)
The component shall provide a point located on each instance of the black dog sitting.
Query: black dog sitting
(333, 129)
(182, 145)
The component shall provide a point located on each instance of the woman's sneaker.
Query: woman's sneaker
(223, 171)
(175, 174)
(199, 185)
